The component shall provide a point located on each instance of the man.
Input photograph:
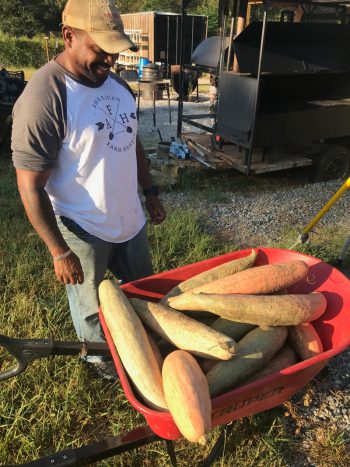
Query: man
(78, 162)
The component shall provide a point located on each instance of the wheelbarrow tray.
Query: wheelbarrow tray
(272, 390)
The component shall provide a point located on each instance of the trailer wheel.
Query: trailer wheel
(333, 163)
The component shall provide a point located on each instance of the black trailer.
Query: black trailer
(289, 104)
(157, 35)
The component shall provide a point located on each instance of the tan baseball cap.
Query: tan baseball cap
(101, 20)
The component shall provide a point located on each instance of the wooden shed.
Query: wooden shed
(158, 36)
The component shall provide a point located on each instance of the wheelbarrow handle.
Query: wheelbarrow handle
(26, 351)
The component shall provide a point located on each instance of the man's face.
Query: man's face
(87, 59)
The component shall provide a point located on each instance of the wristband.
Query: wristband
(64, 255)
(153, 190)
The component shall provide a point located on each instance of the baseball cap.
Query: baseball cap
(101, 20)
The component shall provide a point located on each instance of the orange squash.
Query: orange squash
(258, 280)
(305, 340)
(187, 395)
(262, 310)
(212, 274)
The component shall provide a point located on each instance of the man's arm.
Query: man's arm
(38, 207)
(152, 202)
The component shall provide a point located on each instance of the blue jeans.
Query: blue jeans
(128, 261)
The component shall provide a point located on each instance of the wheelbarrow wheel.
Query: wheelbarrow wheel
(332, 163)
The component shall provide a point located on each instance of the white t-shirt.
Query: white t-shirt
(87, 136)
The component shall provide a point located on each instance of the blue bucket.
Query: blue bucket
(142, 63)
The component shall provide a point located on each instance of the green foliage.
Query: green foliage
(257, 12)
(19, 19)
(125, 6)
(31, 17)
(208, 8)
(199, 7)
(24, 52)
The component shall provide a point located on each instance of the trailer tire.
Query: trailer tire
(332, 163)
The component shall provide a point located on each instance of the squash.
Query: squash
(156, 350)
(254, 351)
(284, 358)
(183, 332)
(132, 344)
(305, 340)
(263, 310)
(212, 274)
(187, 395)
(258, 280)
(206, 364)
(232, 328)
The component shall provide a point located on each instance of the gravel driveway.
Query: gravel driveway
(259, 217)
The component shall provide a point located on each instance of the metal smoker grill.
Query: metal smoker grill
(296, 92)
(285, 103)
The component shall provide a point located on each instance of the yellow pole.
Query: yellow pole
(327, 206)
(304, 236)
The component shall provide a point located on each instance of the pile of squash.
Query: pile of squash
(225, 327)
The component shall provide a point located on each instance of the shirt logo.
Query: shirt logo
(113, 121)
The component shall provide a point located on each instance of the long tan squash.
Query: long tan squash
(156, 350)
(263, 310)
(132, 344)
(232, 328)
(305, 340)
(254, 351)
(187, 395)
(184, 332)
(226, 269)
(258, 280)
(284, 358)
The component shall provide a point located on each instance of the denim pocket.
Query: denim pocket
(67, 226)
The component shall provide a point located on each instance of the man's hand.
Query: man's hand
(155, 209)
(68, 270)
(39, 210)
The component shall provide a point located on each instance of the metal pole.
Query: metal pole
(258, 79)
(230, 43)
(181, 80)
(222, 44)
(305, 233)
(327, 206)
(167, 45)
(192, 38)
(177, 39)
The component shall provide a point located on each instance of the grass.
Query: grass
(58, 404)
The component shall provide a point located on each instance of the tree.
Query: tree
(52, 14)
(209, 8)
(31, 17)
(19, 18)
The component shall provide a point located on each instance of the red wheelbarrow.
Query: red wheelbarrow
(272, 390)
